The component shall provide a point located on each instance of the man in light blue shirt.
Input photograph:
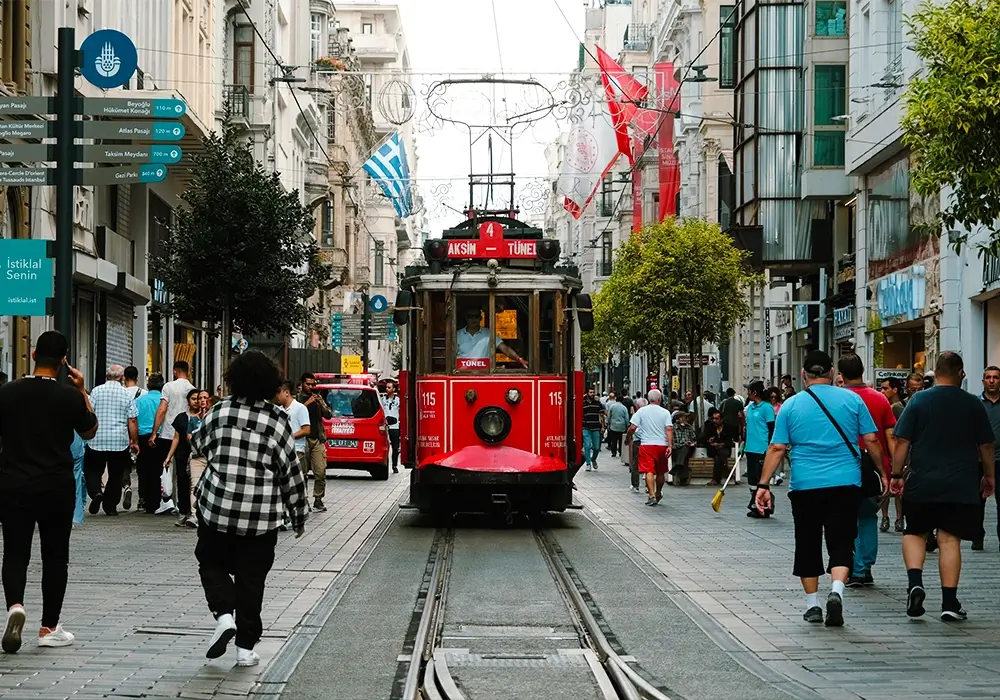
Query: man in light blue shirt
(473, 341)
(149, 464)
(759, 420)
(825, 484)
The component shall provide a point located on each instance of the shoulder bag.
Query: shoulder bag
(871, 475)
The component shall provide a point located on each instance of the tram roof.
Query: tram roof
(506, 280)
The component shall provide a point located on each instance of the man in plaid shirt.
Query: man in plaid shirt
(251, 477)
(117, 435)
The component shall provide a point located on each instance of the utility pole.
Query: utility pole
(365, 326)
(65, 108)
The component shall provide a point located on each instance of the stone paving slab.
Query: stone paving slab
(738, 571)
(139, 615)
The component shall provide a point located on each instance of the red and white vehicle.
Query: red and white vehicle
(356, 436)
(486, 432)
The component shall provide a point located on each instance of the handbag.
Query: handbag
(871, 475)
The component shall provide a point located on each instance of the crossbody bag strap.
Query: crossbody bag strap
(850, 445)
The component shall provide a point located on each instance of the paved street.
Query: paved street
(738, 571)
(136, 605)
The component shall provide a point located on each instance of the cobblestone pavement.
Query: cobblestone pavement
(738, 571)
(136, 606)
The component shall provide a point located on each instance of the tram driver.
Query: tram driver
(474, 341)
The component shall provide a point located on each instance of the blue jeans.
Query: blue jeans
(591, 445)
(866, 543)
(81, 490)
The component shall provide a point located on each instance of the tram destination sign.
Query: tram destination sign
(491, 244)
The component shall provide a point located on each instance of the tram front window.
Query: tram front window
(505, 340)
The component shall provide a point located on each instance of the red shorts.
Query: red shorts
(653, 459)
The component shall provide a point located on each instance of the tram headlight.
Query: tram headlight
(492, 424)
(513, 396)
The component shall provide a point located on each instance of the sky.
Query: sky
(460, 36)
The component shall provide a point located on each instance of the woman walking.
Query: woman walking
(251, 478)
(777, 398)
(184, 425)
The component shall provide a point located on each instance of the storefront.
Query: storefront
(904, 319)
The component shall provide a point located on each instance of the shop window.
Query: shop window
(727, 47)
(831, 18)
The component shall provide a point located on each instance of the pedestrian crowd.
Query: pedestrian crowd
(923, 446)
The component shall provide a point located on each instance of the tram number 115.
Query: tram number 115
(428, 398)
(555, 398)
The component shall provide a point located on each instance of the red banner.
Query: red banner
(637, 199)
(669, 170)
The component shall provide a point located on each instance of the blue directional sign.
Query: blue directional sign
(168, 131)
(122, 176)
(108, 59)
(165, 108)
(26, 274)
(379, 303)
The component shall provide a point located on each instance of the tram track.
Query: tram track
(428, 675)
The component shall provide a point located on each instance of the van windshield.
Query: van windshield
(352, 403)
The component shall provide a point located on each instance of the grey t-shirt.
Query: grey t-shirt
(945, 426)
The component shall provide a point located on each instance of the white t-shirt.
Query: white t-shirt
(390, 406)
(175, 394)
(651, 423)
(298, 416)
(475, 346)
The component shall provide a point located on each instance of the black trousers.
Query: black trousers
(233, 570)
(720, 461)
(755, 469)
(149, 466)
(52, 511)
(830, 513)
(982, 516)
(94, 464)
(394, 445)
(615, 442)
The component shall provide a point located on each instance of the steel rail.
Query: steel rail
(423, 639)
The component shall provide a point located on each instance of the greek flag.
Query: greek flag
(388, 167)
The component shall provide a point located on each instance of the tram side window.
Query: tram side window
(513, 329)
(438, 334)
(549, 328)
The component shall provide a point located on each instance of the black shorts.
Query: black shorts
(829, 514)
(959, 519)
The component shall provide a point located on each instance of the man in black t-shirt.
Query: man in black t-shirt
(38, 417)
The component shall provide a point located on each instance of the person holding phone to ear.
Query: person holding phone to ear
(38, 419)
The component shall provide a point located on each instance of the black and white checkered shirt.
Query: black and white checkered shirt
(252, 474)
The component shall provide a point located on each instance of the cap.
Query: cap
(817, 362)
(756, 387)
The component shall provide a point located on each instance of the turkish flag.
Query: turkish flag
(625, 95)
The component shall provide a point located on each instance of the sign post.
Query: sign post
(65, 109)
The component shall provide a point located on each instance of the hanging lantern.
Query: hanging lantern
(396, 102)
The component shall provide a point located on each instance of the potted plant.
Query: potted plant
(327, 63)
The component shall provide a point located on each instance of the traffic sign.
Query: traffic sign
(26, 105)
(108, 59)
(27, 176)
(684, 360)
(154, 131)
(169, 108)
(25, 152)
(379, 303)
(26, 274)
(351, 364)
(121, 176)
(127, 154)
(25, 130)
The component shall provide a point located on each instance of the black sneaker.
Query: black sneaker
(755, 514)
(127, 499)
(954, 614)
(915, 602)
(813, 614)
(95, 505)
(834, 610)
(855, 582)
(395, 470)
(977, 546)
(869, 581)
(318, 506)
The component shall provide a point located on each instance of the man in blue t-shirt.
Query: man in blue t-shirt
(825, 484)
(759, 419)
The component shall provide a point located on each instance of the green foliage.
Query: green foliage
(594, 346)
(674, 279)
(241, 241)
(952, 118)
(397, 360)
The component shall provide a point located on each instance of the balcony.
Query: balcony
(237, 98)
(116, 249)
(991, 270)
(375, 47)
(362, 274)
(317, 178)
(336, 258)
(637, 37)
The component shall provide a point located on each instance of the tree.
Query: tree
(679, 283)
(952, 117)
(240, 253)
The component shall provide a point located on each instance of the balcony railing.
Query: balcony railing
(991, 269)
(237, 98)
(118, 250)
(637, 37)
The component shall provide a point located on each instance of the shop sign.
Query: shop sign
(783, 318)
(843, 323)
(881, 374)
(801, 316)
(903, 294)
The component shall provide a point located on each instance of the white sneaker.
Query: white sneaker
(191, 521)
(182, 521)
(13, 628)
(633, 489)
(247, 657)
(225, 630)
(588, 467)
(55, 638)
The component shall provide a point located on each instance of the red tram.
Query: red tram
(491, 382)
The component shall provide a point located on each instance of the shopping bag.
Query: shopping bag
(166, 483)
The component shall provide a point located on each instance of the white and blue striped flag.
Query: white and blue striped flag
(388, 167)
